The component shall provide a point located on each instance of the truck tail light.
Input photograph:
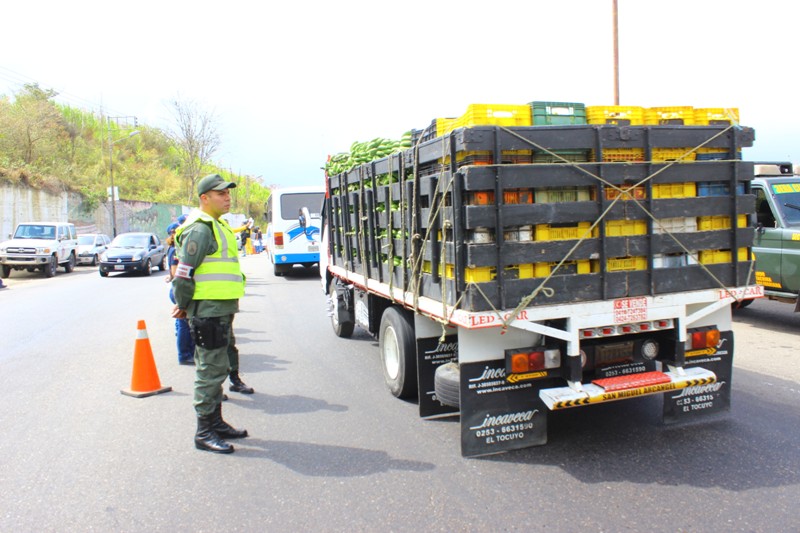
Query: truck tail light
(705, 338)
(278, 238)
(532, 361)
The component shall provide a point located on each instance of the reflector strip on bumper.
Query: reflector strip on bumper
(566, 397)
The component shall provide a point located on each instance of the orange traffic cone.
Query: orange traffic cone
(144, 381)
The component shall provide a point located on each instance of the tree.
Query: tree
(33, 125)
(195, 134)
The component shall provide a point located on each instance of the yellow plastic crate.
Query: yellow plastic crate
(547, 232)
(710, 257)
(495, 115)
(618, 115)
(629, 155)
(445, 126)
(713, 223)
(470, 157)
(447, 272)
(675, 190)
(661, 116)
(625, 228)
(550, 195)
(675, 225)
(479, 274)
(716, 116)
(673, 154)
(542, 270)
(621, 264)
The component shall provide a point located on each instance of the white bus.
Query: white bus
(292, 239)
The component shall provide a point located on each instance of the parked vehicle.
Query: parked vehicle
(777, 234)
(291, 239)
(511, 272)
(133, 252)
(90, 246)
(40, 245)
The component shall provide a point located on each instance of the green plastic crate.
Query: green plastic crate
(557, 113)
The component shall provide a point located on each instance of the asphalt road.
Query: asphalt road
(331, 450)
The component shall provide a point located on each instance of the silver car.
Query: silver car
(90, 247)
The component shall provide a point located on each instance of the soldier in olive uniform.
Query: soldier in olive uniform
(208, 284)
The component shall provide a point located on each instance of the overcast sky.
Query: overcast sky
(291, 82)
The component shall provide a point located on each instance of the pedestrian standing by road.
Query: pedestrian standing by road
(245, 238)
(185, 343)
(208, 284)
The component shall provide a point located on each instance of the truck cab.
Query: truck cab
(777, 230)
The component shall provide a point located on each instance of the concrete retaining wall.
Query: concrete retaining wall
(24, 204)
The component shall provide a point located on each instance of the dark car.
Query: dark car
(133, 252)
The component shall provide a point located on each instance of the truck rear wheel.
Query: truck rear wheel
(398, 353)
(447, 384)
(338, 308)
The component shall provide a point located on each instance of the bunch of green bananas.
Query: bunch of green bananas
(364, 152)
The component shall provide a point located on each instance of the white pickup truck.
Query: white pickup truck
(40, 245)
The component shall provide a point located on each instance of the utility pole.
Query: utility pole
(113, 190)
(247, 194)
(616, 52)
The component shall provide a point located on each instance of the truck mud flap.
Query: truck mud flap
(497, 416)
(432, 352)
(709, 398)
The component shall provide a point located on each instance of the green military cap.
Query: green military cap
(213, 182)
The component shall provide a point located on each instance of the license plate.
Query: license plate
(313, 248)
(119, 267)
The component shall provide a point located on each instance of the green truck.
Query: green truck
(777, 231)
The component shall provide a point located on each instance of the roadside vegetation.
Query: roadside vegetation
(54, 147)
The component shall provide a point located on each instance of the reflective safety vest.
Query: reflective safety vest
(219, 276)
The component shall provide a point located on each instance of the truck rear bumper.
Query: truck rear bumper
(625, 387)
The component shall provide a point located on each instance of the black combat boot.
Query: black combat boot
(208, 439)
(225, 430)
(237, 385)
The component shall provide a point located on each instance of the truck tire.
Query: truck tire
(447, 384)
(6, 271)
(281, 270)
(70, 265)
(342, 328)
(398, 353)
(51, 267)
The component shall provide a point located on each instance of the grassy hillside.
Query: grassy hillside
(55, 147)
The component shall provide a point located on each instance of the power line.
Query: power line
(18, 81)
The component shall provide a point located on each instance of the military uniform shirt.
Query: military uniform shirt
(197, 241)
